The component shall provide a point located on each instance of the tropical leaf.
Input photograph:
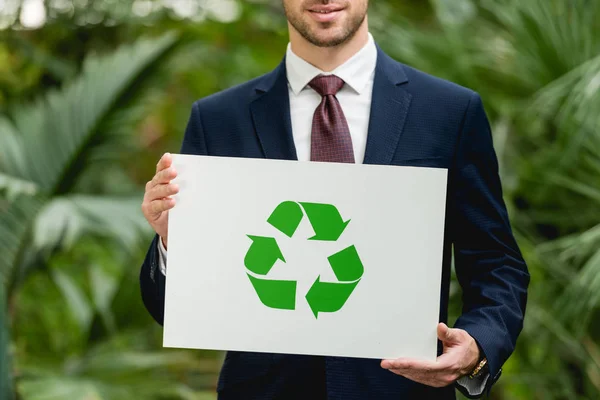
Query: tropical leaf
(60, 130)
(118, 218)
(12, 152)
(50, 140)
(58, 67)
(15, 225)
(75, 298)
(77, 388)
(104, 287)
(64, 220)
(114, 375)
(550, 38)
(6, 374)
(15, 186)
(56, 388)
(572, 102)
(43, 152)
(15, 218)
(536, 65)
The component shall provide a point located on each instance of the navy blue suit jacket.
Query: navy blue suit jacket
(416, 120)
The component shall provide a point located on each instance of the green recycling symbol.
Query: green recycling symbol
(264, 252)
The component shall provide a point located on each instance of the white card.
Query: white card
(305, 257)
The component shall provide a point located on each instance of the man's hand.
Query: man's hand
(459, 358)
(157, 201)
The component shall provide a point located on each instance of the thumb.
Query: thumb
(445, 334)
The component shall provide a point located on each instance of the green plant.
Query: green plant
(46, 149)
(536, 65)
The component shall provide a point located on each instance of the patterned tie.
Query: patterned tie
(330, 140)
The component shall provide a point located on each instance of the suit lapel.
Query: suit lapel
(389, 109)
(390, 103)
(271, 115)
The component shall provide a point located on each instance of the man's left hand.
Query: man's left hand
(459, 358)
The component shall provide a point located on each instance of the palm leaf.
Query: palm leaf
(75, 299)
(6, 387)
(114, 375)
(16, 186)
(12, 152)
(104, 287)
(60, 130)
(61, 222)
(581, 295)
(573, 103)
(67, 218)
(14, 223)
(43, 151)
(544, 54)
(537, 68)
(77, 388)
(49, 141)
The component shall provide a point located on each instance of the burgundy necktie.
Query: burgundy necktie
(330, 139)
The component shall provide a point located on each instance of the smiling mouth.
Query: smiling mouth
(325, 8)
(325, 14)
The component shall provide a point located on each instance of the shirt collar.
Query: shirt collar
(356, 72)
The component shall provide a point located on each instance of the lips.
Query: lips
(325, 13)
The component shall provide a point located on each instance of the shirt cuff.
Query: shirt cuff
(162, 257)
(473, 387)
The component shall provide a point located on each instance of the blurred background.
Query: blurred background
(92, 92)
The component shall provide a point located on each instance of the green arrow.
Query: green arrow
(346, 264)
(275, 293)
(262, 254)
(325, 220)
(286, 217)
(328, 296)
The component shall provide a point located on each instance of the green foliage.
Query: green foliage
(536, 65)
(45, 148)
(73, 162)
(6, 374)
(99, 346)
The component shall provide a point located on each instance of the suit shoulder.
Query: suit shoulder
(230, 97)
(430, 85)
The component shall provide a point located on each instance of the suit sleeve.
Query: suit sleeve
(489, 265)
(152, 281)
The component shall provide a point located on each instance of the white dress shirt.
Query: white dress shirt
(354, 97)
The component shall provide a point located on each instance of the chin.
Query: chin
(327, 39)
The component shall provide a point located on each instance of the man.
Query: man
(337, 97)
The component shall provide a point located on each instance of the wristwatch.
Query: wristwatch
(481, 368)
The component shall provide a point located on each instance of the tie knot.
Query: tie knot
(326, 84)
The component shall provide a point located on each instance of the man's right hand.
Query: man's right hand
(157, 201)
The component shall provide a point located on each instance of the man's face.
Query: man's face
(326, 23)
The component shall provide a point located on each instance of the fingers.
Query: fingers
(161, 180)
(447, 335)
(459, 357)
(153, 209)
(157, 197)
(411, 364)
(165, 176)
(164, 162)
(443, 332)
(157, 200)
(161, 205)
(442, 372)
(438, 380)
(162, 177)
(162, 191)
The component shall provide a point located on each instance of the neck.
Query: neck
(328, 58)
